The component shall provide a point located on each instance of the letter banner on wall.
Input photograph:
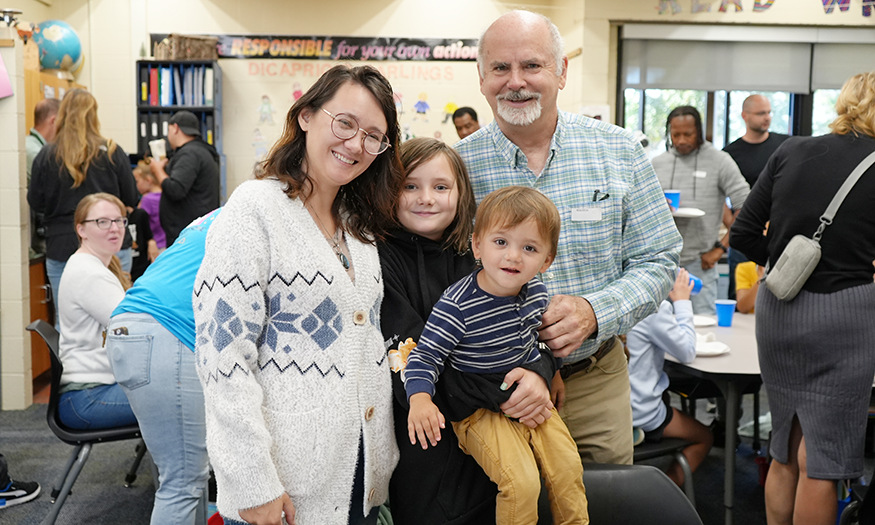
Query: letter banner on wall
(342, 48)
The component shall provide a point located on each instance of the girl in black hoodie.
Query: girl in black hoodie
(441, 485)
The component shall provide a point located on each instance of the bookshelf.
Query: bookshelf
(164, 87)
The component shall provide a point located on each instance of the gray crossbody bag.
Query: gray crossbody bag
(802, 254)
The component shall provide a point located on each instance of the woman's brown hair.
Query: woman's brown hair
(416, 152)
(77, 134)
(368, 202)
(81, 215)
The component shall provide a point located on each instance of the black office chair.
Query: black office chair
(82, 440)
(635, 495)
(668, 447)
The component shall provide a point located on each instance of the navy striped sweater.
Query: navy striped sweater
(477, 332)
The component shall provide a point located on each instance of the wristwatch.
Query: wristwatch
(719, 244)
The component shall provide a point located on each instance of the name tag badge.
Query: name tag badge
(586, 214)
(699, 174)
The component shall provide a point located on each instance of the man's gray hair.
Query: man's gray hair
(557, 42)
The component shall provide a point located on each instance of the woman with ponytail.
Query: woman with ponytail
(92, 285)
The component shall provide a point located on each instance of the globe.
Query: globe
(59, 45)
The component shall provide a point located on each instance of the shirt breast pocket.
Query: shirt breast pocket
(589, 239)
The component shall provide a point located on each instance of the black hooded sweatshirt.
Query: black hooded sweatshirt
(416, 271)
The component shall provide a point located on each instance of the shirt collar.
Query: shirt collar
(514, 155)
(39, 137)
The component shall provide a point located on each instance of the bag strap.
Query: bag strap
(826, 218)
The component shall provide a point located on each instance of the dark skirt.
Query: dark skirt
(817, 356)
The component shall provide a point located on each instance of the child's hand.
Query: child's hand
(424, 419)
(683, 287)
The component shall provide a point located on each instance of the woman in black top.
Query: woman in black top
(817, 352)
(78, 162)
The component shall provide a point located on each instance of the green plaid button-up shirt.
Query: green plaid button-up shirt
(619, 247)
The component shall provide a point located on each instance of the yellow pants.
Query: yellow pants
(510, 453)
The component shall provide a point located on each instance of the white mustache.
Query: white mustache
(519, 96)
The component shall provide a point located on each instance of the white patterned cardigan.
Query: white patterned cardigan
(292, 362)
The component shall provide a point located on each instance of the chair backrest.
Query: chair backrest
(63, 432)
(635, 495)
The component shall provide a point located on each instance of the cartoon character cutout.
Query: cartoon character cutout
(406, 133)
(421, 106)
(260, 145)
(399, 102)
(265, 111)
(449, 109)
(297, 92)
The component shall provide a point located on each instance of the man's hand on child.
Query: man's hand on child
(683, 287)
(424, 420)
(530, 402)
(566, 324)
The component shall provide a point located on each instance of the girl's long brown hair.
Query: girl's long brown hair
(77, 134)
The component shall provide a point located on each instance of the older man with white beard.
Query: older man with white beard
(619, 248)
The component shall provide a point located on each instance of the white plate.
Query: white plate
(703, 320)
(687, 213)
(711, 348)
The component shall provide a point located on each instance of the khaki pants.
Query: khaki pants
(510, 454)
(598, 411)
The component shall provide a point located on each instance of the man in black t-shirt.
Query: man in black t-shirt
(753, 149)
(751, 152)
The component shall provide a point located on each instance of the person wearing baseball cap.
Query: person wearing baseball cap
(190, 180)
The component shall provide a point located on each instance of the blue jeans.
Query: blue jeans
(703, 302)
(157, 372)
(103, 406)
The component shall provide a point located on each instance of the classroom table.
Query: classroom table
(732, 372)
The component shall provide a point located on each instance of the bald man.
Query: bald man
(753, 149)
(43, 130)
(44, 114)
(751, 152)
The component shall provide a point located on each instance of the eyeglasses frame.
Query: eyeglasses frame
(124, 220)
(366, 132)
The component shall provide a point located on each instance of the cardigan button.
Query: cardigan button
(359, 317)
(369, 413)
(371, 494)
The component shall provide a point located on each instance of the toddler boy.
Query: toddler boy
(487, 324)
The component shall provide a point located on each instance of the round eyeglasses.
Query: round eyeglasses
(346, 127)
(104, 224)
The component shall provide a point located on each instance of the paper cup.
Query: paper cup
(697, 285)
(674, 196)
(158, 149)
(725, 310)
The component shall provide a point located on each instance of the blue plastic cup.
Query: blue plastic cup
(725, 309)
(674, 196)
(697, 285)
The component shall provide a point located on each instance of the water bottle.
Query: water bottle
(697, 284)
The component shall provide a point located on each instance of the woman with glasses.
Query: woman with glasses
(78, 162)
(296, 381)
(92, 286)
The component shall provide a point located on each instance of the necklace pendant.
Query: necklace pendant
(343, 260)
